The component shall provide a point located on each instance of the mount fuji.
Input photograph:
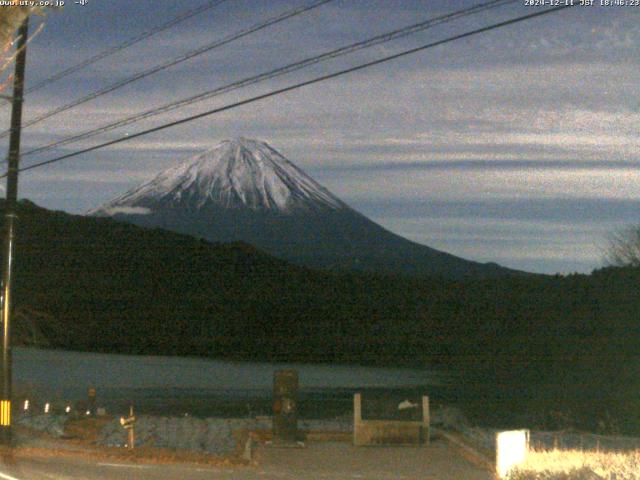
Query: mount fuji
(244, 190)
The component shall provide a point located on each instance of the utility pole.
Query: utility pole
(9, 227)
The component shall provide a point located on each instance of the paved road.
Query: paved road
(325, 461)
(72, 469)
(339, 461)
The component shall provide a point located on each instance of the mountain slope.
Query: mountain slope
(100, 285)
(244, 190)
(530, 344)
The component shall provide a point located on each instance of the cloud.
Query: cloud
(469, 161)
(127, 210)
(486, 183)
(542, 111)
(511, 242)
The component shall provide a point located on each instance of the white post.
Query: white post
(357, 416)
(511, 450)
(426, 419)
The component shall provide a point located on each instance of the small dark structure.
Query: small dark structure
(285, 406)
(91, 402)
(390, 419)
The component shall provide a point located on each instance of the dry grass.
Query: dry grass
(80, 443)
(86, 429)
(577, 464)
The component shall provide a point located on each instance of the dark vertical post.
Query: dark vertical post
(285, 407)
(91, 402)
(9, 221)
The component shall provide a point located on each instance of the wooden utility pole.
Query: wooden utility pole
(129, 424)
(9, 233)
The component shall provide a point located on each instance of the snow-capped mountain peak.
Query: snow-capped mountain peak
(244, 190)
(238, 173)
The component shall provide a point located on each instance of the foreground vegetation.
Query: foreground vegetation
(556, 352)
(579, 465)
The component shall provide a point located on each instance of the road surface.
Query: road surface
(320, 461)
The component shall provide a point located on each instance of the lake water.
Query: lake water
(177, 385)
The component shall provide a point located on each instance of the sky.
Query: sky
(518, 146)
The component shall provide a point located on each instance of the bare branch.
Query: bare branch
(624, 248)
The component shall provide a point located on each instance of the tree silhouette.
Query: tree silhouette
(624, 248)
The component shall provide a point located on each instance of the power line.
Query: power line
(163, 66)
(128, 43)
(298, 86)
(373, 41)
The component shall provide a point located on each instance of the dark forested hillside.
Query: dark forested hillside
(530, 343)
